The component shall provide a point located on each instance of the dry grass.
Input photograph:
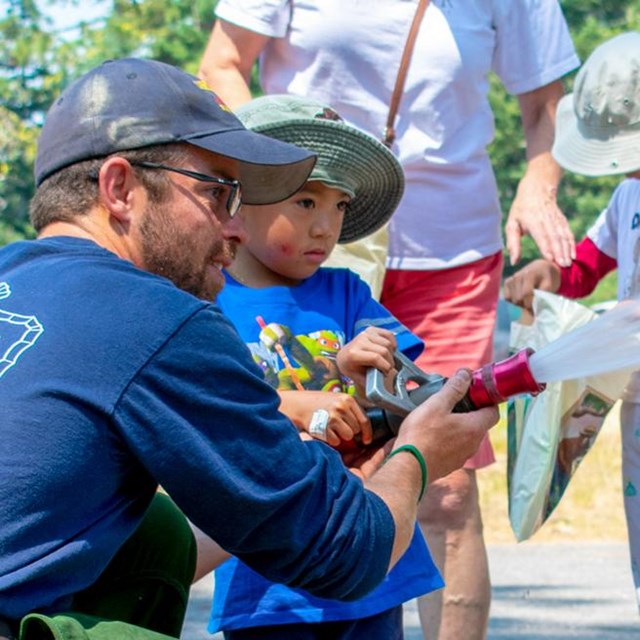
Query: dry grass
(591, 508)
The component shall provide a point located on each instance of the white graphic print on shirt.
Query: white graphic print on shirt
(17, 333)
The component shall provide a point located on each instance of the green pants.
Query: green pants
(142, 594)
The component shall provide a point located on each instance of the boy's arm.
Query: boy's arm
(578, 280)
(210, 554)
(589, 267)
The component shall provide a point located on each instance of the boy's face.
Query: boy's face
(289, 241)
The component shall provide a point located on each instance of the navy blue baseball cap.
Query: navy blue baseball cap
(133, 103)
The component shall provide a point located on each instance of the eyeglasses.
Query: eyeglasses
(235, 194)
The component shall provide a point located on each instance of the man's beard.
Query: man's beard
(167, 252)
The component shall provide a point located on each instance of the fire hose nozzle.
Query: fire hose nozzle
(490, 385)
(497, 382)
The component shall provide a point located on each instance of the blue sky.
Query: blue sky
(66, 14)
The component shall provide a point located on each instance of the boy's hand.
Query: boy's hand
(326, 415)
(365, 461)
(373, 348)
(539, 274)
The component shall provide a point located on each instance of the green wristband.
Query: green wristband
(409, 448)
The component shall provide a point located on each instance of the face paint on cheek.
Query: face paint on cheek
(286, 250)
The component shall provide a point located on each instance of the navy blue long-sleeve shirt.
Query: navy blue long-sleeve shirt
(113, 381)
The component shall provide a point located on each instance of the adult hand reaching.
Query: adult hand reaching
(534, 212)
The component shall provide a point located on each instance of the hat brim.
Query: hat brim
(270, 170)
(370, 166)
(591, 152)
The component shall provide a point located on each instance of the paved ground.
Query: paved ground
(540, 592)
(558, 591)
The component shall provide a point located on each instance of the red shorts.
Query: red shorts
(454, 312)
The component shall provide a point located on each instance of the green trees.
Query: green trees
(36, 62)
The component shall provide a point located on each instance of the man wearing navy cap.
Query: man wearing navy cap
(118, 374)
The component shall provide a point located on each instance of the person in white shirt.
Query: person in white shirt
(445, 252)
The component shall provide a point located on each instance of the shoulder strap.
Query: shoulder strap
(389, 133)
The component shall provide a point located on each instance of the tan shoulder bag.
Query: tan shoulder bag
(389, 133)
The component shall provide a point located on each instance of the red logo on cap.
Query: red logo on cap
(201, 84)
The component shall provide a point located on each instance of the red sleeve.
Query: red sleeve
(589, 267)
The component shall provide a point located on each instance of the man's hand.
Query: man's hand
(447, 440)
(374, 348)
(539, 274)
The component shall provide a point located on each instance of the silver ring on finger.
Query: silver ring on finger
(318, 424)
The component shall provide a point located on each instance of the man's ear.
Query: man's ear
(119, 188)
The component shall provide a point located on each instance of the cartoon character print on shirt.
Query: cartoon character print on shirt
(302, 361)
(17, 333)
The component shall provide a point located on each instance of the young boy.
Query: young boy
(598, 134)
(315, 331)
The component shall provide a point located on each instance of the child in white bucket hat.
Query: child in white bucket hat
(598, 126)
(598, 134)
(314, 331)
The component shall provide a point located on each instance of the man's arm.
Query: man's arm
(398, 481)
(534, 210)
(205, 425)
(228, 60)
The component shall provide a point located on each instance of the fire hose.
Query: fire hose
(490, 385)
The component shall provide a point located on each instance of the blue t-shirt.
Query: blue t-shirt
(310, 322)
(108, 388)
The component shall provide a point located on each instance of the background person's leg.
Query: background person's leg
(630, 430)
(450, 520)
(453, 312)
(147, 583)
